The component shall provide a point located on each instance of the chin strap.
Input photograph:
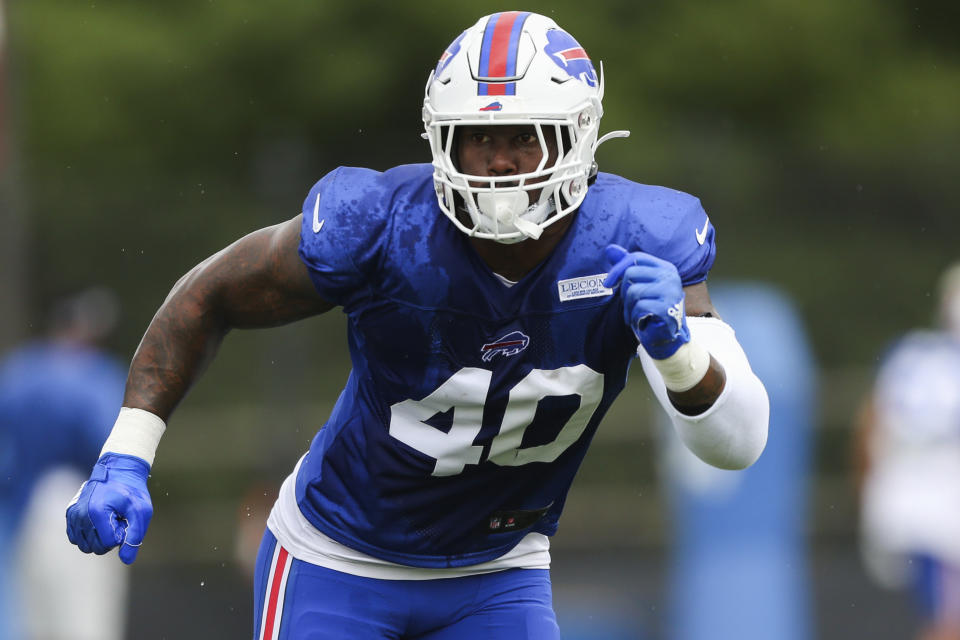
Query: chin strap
(528, 229)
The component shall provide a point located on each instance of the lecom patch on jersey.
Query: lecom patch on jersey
(583, 287)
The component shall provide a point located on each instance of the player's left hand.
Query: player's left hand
(652, 294)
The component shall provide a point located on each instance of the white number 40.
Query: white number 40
(466, 392)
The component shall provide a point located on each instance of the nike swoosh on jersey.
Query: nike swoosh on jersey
(318, 223)
(701, 233)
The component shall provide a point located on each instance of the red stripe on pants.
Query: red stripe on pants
(271, 611)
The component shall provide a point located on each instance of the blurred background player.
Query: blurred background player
(909, 467)
(739, 555)
(58, 396)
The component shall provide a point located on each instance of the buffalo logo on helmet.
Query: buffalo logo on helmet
(567, 53)
(509, 345)
(449, 54)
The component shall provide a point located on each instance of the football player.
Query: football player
(58, 395)
(909, 468)
(496, 299)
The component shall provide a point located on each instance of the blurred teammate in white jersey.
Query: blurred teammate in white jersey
(909, 447)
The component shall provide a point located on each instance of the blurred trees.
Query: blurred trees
(821, 136)
(12, 319)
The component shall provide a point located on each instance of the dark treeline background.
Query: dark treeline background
(821, 136)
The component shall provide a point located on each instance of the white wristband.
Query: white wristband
(136, 433)
(685, 368)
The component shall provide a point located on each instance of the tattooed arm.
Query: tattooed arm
(258, 281)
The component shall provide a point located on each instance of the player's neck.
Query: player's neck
(514, 261)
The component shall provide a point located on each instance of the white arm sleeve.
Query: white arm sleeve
(730, 434)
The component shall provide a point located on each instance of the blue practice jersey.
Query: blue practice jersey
(471, 404)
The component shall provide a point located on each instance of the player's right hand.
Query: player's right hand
(112, 508)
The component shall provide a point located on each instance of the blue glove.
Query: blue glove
(652, 296)
(112, 508)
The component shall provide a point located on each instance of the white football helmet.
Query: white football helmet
(515, 68)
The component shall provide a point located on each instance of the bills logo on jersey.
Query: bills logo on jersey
(449, 54)
(509, 345)
(570, 56)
